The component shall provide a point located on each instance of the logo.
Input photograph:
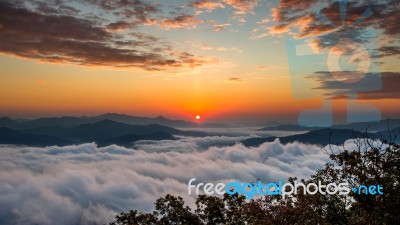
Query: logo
(344, 62)
(250, 190)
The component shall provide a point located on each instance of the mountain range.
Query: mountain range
(12, 137)
(67, 121)
(375, 126)
(104, 132)
(124, 130)
(327, 136)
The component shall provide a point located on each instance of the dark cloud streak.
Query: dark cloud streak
(138, 9)
(306, 18)
(390, 86)
(72, 39)
(180, 21)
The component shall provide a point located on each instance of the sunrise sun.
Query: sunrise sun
(198, 117)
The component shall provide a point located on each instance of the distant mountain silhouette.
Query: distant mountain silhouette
(8, 136)
(8, 122)
(319, 137)
(68, 122)
(288, 128)
(273, 124)
(133, 120)
(108, 129)
(389, 135)
(382, 125)
(104, 132)
(65, 121)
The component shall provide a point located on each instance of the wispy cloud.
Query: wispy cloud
(128, 9)
(206, 47)
(180, 21)
(207, 5)
(262, 68)
(242, 6)
(234, 79)
(119, 26)
(341, 88)
(220, 27)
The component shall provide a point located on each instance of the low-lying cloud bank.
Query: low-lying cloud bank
(86, 184)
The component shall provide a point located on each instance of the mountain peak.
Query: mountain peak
(112, 114)
(107, 121)
(4, 118)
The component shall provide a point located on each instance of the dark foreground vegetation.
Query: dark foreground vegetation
(368, 165)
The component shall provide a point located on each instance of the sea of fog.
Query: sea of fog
(85, 184)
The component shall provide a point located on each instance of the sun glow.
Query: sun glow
(198, 117)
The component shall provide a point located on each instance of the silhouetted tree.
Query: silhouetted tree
(211, 210)
(172, 211)
(135, 218)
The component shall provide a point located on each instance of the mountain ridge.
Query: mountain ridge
(70, 121)
(327, 136)
(381, 125)
(102, 132)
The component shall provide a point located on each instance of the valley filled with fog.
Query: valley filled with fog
(87, 184)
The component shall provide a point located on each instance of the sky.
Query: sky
(226, 60)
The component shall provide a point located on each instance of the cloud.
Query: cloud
(54, 7)
(242, 6)
(85, 184)
(340, 89)
(234, 79)
(262, 68)
(323, 20)
(76, 40)
(389, 89)
(188, 144)
(138, 9)
(264, 21)
(119, 26)
(220, 27)
(389, 50)
(207, 5)
(180, 21)
(206, 47)
(289, 12)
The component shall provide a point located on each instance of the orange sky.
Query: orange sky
(223, 61)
